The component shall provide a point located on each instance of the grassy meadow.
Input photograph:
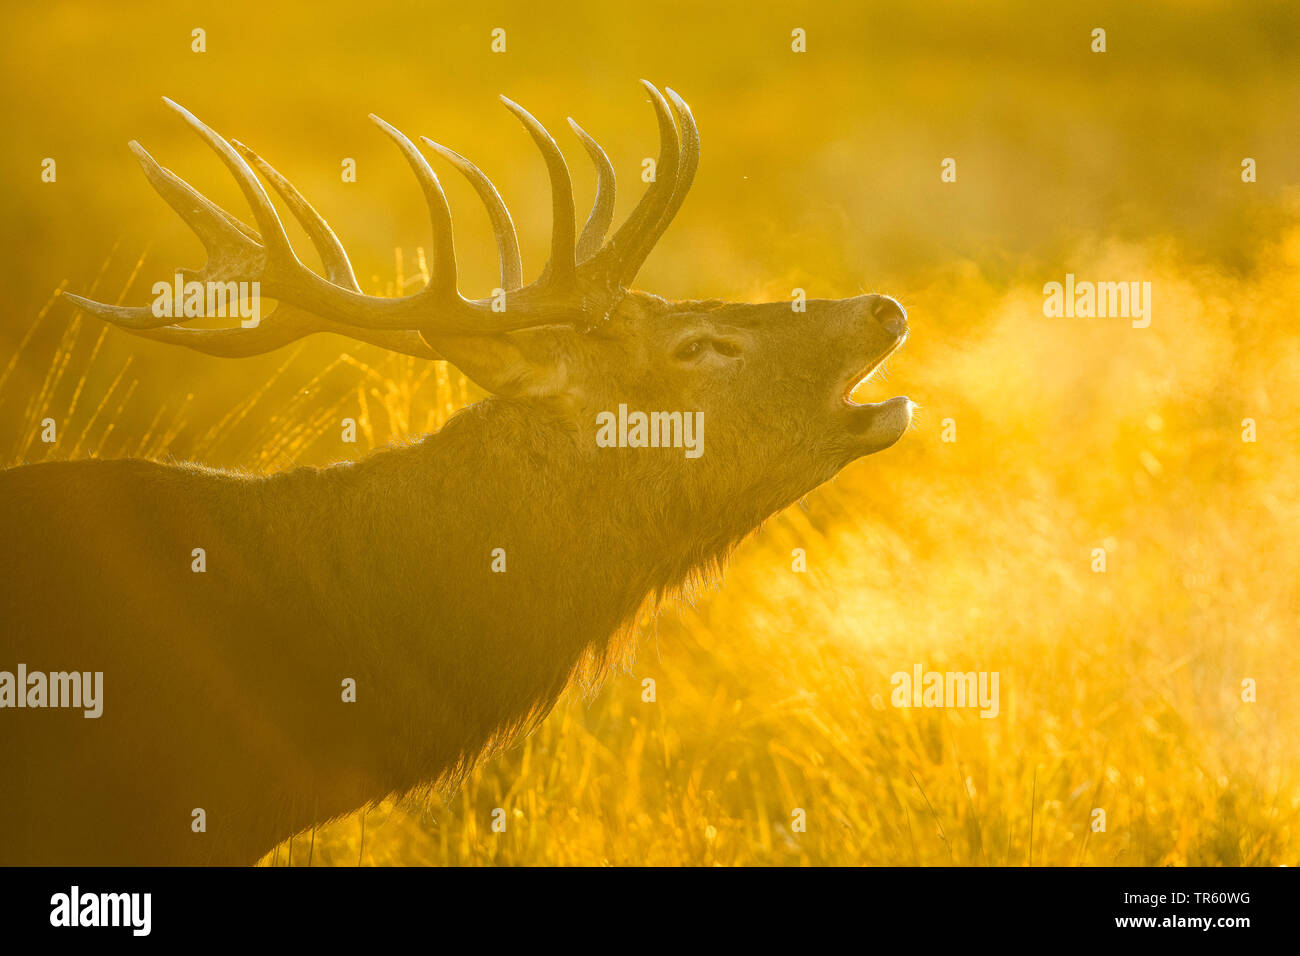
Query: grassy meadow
(1119, 690)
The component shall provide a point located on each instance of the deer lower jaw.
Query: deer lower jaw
(879, 425)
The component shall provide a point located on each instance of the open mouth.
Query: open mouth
(875, 426)
(865, 376)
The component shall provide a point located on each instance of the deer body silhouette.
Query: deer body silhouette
(457, 584)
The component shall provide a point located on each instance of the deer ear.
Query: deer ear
(513, 365)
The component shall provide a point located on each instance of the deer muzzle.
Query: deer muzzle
(879, 323)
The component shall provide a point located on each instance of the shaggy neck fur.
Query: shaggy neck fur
(456, 655)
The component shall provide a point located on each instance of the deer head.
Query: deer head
(771, 383)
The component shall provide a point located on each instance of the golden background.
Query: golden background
(1119, 690)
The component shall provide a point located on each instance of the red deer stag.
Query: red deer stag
(461, 581)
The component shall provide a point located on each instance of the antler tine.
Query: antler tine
(210, 222)
(338, 267)
(623, 254)
(561, 271)
(442, 283)
(688, 162)
(131, 318)
(503, 227)
(602, 208)
(272, 230)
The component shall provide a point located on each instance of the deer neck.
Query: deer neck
(468, 577)
(511, 502)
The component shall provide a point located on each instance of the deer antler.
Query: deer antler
(583, 276)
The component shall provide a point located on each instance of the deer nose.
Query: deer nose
(890, 315)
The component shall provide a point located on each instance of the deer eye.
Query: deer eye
(689, 350)
(696, 347)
